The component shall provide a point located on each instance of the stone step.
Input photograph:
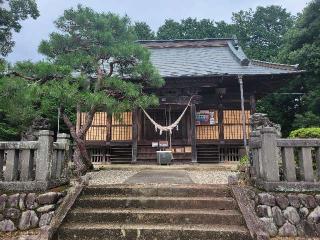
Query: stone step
(159, 191)
(88, 231)
(155, 216)
(215, 203)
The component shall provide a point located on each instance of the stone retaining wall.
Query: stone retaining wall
(24, 211)
(288, 214)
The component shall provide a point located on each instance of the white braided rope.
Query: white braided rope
(170, 127)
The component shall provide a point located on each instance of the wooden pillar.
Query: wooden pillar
(109, 138)
(220, 118)
(193, 133)
(252, 104)
(134, 135)
(243, 113)
(109, 126)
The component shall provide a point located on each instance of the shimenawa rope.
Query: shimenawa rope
(170, 127)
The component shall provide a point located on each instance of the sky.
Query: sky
(153, 12)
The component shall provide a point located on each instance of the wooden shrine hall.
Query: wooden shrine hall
(226, 85)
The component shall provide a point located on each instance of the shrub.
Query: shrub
(244, 160)
(305, 133)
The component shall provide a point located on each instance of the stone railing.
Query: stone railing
(34, 165)
(284, 164)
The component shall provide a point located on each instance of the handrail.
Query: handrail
(298, 142)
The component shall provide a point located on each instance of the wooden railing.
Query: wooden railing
(34, 165)
(291, 161)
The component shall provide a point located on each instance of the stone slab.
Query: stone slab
(160, 176)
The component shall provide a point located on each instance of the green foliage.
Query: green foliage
(192, 28)
(261, 31)
(244, 160)
(12, 12)
(143, 31)
(307, 119)
(93, 62)
(281, 108)
(301, 45)
(306, 133)
(17, 107)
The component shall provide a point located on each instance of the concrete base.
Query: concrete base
(32, 185)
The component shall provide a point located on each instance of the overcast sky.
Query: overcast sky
(154, 12)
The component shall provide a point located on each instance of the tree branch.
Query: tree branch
(34, 79)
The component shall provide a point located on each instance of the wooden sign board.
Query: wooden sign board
(163, 144)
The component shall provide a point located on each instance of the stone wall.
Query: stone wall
(24, 211)
(288, 214)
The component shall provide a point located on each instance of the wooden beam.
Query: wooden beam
(134, 135)
(193, 134)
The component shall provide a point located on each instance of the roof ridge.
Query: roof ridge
(237, 51)
(182, 40)
(274, 65)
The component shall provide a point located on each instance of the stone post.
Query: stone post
(44, 155)
(11, 172)
(269, 154)
(26, 161)
(62, 155)
(255, 154)
(318, 162)
(306, 168)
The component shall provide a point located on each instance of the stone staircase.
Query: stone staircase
(154, 212)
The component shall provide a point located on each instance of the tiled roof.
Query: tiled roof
(208, 57)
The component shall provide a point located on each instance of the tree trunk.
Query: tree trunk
(81, 157)
(80, 167)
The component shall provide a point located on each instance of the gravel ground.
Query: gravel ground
(211, 177)
(111, 176)
(120, 176)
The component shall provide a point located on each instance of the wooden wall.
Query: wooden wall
(99, 131)
(232, 126)
(121, 127)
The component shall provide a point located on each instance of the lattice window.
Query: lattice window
(121, 129)
(233, 124)
(99, 131)
(98, 155)
(229, 154)
(207, 132)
